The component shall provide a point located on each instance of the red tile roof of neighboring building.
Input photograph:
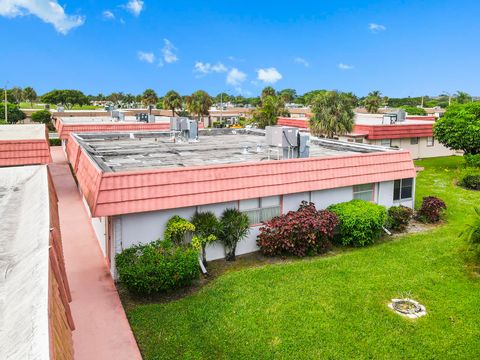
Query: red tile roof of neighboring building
(65, 129)
(114, 193)
(24, 145)
(377, 131)
(395, 131)
(295, 122)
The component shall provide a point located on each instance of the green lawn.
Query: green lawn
(335, 307)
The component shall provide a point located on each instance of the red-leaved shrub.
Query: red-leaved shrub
(302, 232)
(431, 209)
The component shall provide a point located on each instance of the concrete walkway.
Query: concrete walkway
(101, 327)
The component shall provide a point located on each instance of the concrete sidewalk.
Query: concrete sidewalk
(101, 327)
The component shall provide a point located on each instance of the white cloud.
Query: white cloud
(374, 28)
(207, 68)
(107, 14)
(301, 61)
(168, 53)
(235, 77)
(47, 10)
(148, 57)
(343, 66)
(269, 75)
(134, 6)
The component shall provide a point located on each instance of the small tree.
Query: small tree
(206, 231)
(234, 226)
(44, 117)
(267, 114)
(459, 128)
(177, 229)
(14, 113)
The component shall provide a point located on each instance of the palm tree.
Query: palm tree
(30, 95)
(149, 98)
(172, 101)
(462, 97)
(373, 101)
(267, 114)
(332, 114)
(199, 103)
(267, 91)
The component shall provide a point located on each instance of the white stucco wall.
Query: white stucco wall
(145, 227)
(98, 225)
(420, 150)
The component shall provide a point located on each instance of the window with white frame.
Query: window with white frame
(430, 141)
(260, 209)
(386, 142)
(363, 192)
(403, 189)
(414, 141)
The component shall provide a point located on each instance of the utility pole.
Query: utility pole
(221, 108)
(6, 106)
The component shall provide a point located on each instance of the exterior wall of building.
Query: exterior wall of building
(131, 229)
(420, 150)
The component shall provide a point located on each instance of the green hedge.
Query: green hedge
(157, 267)
(470, 179)
(360, 222)
(55, 142)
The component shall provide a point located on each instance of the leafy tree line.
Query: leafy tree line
(172, 100)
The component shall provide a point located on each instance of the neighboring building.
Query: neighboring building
(121, 123)
(24, 144)
(35, 317)
(414, 133)
(133, 183)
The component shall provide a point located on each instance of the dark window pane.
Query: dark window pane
(406, 192)
(407, 182)
(396, 190)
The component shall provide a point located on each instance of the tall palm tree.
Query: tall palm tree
(199, 103)
(267, 91)
(332, 114)
(30, 95)
(373, 101)
(172, 101)
(149, 98)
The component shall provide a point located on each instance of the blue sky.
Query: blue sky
(402, 48)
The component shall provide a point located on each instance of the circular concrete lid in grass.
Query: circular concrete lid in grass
(408, 308)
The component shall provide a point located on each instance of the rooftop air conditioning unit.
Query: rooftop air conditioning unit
(281, 136)
(142, 117)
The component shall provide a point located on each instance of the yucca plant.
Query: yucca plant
(234, 226)
(472, 231)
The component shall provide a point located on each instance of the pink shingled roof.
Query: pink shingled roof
(376, 132)
(64, 129)
(114, 193)
(25, 152)
(295, 122)
(395, 131)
